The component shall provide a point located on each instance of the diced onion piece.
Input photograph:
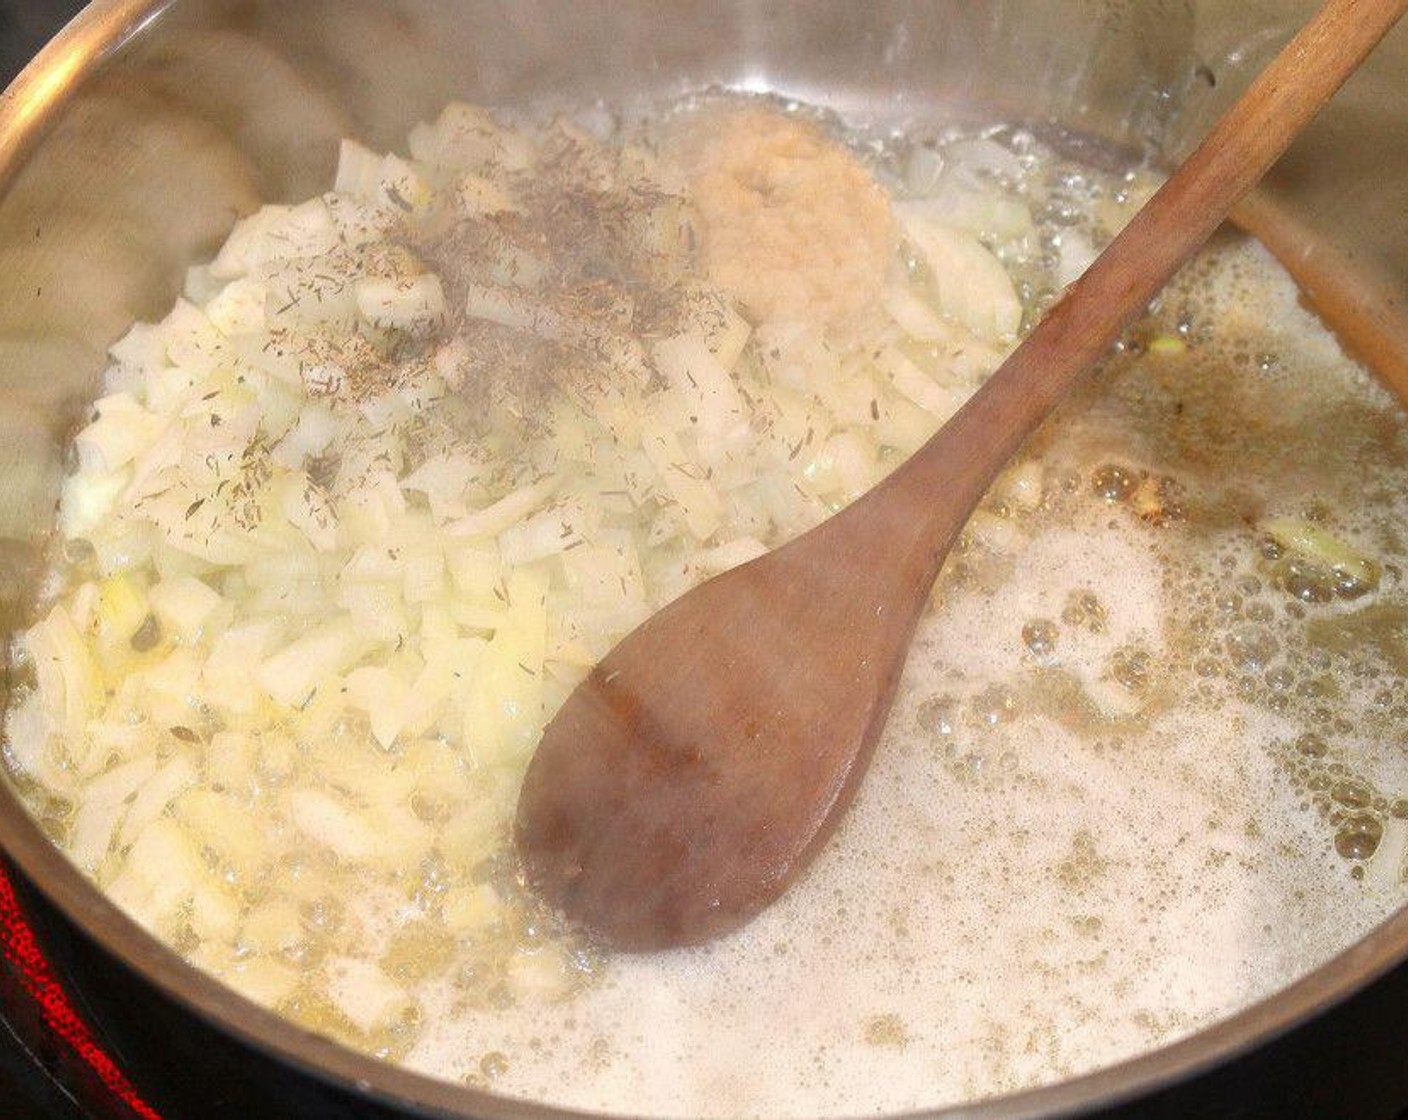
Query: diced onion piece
(970, 283)
(89, 497)
(1076, 254)
(443, 479)
(383, 696)
(376, 610)
(424, 579)
(215, 913)
(273, 927)
(69, 679)
(105, 801)
(1317, 544)
(364, 993)
(156, 794)
(468, 138)
(371, 508)
(982, 211)
(334, 824)
(122, 609)
(413, 304)
(195, 350)
(170, 688)
(229, 761)
(475, 568)
(845, 464)
(702, 379)
(182, 606)
(314, 431)
(938, 400)
(684, 481)
(552, 532)
(121, 432)
(1388, 866)
(306, 507)
(510, 307)
(239, 308)
(221, 822)
(498, 516)
(540, 976)
(386, 181)
(503, 714)
(276, 233)
(608, 571)
(913, 315)
(227, 679)
(161, 873)
(292, 674)
(471, 909)
(268, 983)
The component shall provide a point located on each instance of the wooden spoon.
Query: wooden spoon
(705, 761)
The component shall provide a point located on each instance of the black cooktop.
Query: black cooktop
(25, 26)
(52, 1065)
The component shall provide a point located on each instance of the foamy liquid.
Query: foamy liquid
(1046, 872)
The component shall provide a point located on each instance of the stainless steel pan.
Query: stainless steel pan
(132, 143)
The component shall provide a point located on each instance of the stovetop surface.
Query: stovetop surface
(37, 1077)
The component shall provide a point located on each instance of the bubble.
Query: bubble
(1251, 647)
(1280, 679)
(1348, 586)
(1260, 612)
(1206, 667)
(886, 1030)
(1229, 604)
(1309, 583)
(936, 715)
(1131, 666)
(995, 705)
(1114, 483)
(1359, 836)
(1084, 609)
(1312, 745)
(1039, 636)
(1352, 793)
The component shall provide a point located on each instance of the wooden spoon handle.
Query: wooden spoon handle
(973, 446)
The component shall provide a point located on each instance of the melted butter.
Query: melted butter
(1134, 779)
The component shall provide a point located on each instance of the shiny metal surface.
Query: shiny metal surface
(131, 145)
